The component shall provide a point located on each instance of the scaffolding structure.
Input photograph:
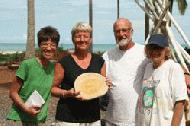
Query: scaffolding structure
(160, 17)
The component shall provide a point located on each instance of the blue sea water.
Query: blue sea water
(22, 47)
(14, 47)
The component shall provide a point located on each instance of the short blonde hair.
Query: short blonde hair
(81, 26)
(151, 47)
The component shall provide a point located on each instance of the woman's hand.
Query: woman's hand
(32, 111)
(71, 93)
(79, 97)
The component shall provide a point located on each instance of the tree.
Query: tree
(182, 6)
(30, 46)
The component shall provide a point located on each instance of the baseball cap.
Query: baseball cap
(158, 39)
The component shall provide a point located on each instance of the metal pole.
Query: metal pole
(117, 9)
(91, 21)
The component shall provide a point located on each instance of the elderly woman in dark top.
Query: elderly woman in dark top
(72, 109)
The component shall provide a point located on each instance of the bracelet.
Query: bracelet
(186, 73)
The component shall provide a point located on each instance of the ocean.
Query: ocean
(12, 47)
(19, 47)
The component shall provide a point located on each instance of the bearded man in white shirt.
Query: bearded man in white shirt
(125, 68)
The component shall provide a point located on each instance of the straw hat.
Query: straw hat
(91, 85)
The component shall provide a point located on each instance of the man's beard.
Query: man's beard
(123, 42)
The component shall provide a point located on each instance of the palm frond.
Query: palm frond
(182, 6)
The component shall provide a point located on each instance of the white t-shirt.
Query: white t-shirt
(125, 69)
(161, 88)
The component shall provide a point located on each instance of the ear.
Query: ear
(115, 36)
(90, 40)
(131, 31)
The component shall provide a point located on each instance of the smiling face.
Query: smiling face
(157, 54)
(81, 36)
(123, 31)
(48, 49)
(48, 39)
(82, 40)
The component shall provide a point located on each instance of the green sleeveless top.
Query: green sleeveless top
(35, 77)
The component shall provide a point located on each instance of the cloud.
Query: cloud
(12, 10)
(24, 36)
(13, 5)
(63, 14)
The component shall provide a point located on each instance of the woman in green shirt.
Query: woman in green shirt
(34, 74)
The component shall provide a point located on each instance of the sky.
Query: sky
(64, 14)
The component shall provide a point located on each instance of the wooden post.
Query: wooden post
(30, 46)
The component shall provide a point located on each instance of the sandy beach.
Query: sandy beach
(10, 52)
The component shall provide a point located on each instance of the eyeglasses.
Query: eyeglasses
(123, 30)
(46, 45)
(84, 37)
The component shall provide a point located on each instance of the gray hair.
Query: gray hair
(81, 26)
(127, 21)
